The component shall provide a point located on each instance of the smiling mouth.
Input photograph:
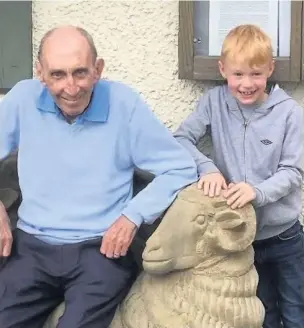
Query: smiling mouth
(70, 100)
(247, 93)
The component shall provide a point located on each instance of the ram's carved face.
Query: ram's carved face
(196, 228)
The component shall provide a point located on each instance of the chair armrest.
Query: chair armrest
(141, 180)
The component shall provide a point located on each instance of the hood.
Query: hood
(275, 97)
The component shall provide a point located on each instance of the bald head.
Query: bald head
(69, 68)
(67, 36)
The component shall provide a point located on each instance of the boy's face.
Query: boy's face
(247, 84)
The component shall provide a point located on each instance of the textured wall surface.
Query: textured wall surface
(137, 39)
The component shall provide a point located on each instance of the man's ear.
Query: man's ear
(39, 71)
(221, 69)
(99, 66)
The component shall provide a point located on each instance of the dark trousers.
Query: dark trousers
(280, 264)
(38, 276)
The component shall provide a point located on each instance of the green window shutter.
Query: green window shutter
(15, 42)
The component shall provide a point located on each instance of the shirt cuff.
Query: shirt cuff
(134, 217)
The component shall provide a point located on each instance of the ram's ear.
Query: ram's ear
(235, 231)
(8, 197)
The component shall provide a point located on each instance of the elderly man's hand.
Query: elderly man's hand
(117, 239)
(6, 238)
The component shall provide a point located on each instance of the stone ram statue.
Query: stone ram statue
(198, 270)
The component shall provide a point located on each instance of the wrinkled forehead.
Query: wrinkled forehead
(67, 62)
(57, 55)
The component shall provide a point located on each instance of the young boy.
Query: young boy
(257, 141)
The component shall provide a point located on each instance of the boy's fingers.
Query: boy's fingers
(212, 188)
(232, 199)
(233, 205)
(241, 202)
(206, 188)
(218, 189)
(200, 184)
(231, 191)
(224, 184)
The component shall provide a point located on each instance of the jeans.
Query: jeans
(280, 264)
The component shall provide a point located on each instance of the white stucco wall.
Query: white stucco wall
(137, 39)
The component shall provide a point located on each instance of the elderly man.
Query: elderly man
(79, 140)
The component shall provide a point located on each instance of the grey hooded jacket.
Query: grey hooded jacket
(265, 151)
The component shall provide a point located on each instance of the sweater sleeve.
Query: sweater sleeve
(9, 122)
(192, 130)
(154, 149)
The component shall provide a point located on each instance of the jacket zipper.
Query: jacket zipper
(246, 122)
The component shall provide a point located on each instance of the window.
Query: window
(15, 43)
(203, 25)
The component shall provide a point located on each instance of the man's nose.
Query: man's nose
(71, 86)
(70, 81)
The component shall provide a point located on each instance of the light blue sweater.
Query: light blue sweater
(76, 179)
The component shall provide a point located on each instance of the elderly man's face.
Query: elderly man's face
(69, 73)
